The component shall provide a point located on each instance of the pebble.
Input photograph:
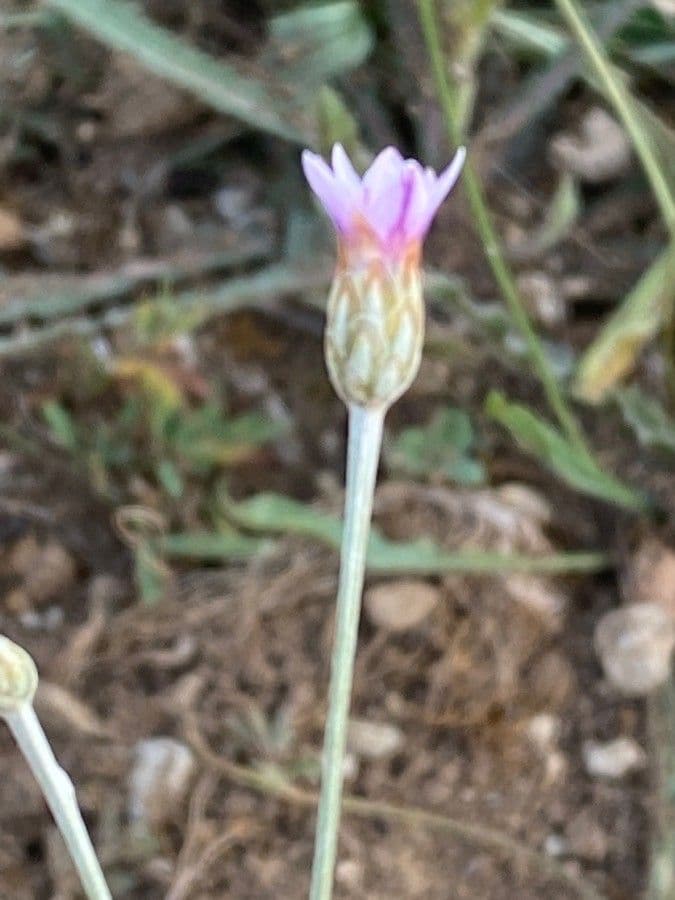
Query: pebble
(162, 771)
(400, 605)
(373, 740)
(544, 730)
(613, 759)
(601, 151)
(634, 644)
(47, 571)
(651, 576)
(555, 845)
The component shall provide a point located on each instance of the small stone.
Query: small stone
(373, 740)
(634, 644)
(159, 781)
(400, 605)
(350, 767)
(601, 151)
(651, 576)
(555, 845)
(47, 571)
(544, 731)
(349, 874)
(12, 231)
(613, 759)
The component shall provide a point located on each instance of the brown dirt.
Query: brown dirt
(493, 693)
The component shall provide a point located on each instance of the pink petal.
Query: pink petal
(446, 180)
(323, 182)
(417, 215)
(344, 170)
(383, 211)
(397, 198)
(384, 170)
(384, 192)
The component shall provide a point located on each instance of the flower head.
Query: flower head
(375, 312)
(18, 677)
(394, 202)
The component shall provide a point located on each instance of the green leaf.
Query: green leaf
(279, 514)
(652, 425)
(442, 448)
(528, 32)
(211, 546)
(466, 29)
(208, 437)
(573, 466)
(61, 424)
(652, 140)
(562, 213)
(151, 575)
(123, 26)
(336, 123)
(638, 319)
(170, 478)
(321, 40)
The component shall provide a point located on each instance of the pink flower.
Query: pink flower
(394, 202)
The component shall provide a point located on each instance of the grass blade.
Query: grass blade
(319, 42)
(622, 102)
(122, 26)
(488, 235)
(275, 513)
(545, 442)
(638, 319)
(651, 423)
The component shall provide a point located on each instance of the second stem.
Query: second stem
(363, 454)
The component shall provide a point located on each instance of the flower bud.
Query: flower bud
(374, 329)
(375, 315)
(18, 677)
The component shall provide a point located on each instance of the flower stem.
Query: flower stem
(60, 795)
(363, 453)
(488, 235)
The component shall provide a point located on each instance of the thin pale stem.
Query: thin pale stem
(60, 796)
(489, 238)
(363, 453)
(622, 101)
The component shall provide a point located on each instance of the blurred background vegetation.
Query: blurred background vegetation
(167, 424)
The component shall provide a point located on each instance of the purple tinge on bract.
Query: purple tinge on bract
(396, 198)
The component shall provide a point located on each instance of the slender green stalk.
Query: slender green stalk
(625, 108)
(39, 18)
(60, 796)
(363, 453)
(489, 238)
(622, 102)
